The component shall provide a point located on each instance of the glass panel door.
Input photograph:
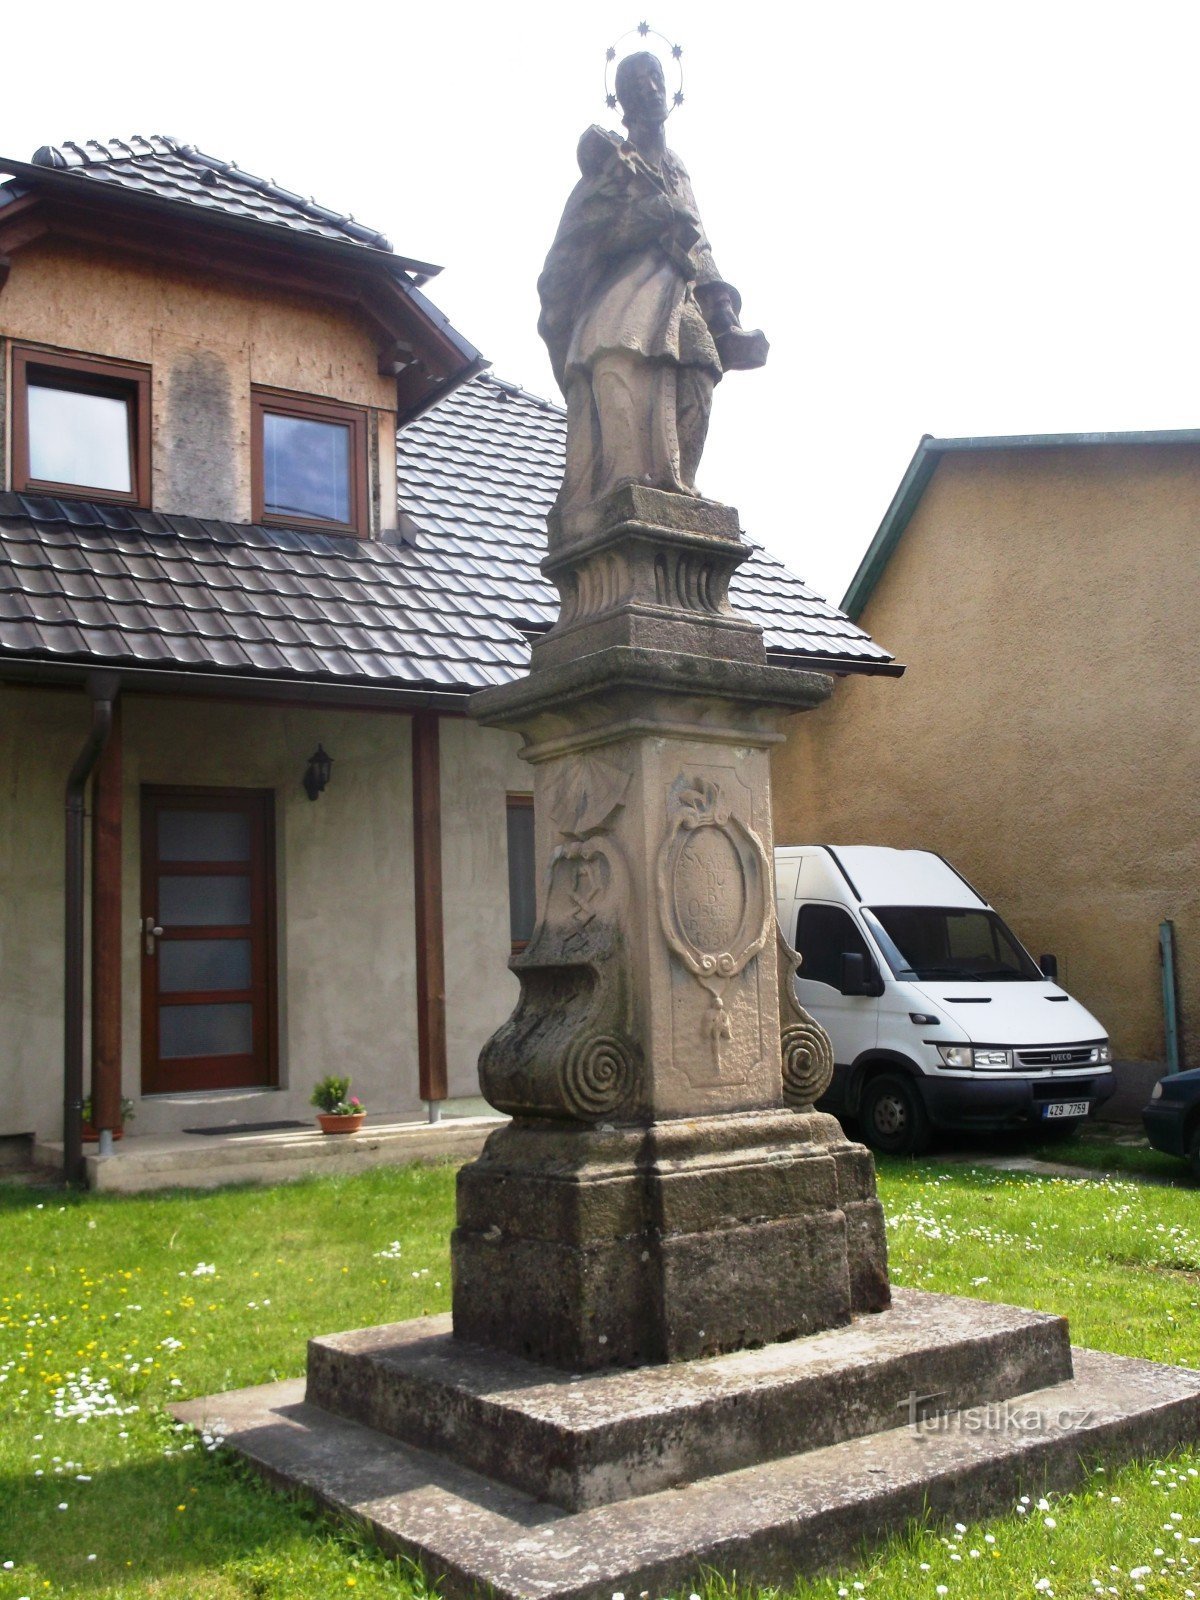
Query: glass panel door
(208, 1004)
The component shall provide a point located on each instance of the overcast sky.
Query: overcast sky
(948, 218)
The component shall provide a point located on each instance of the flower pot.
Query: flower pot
(91, 1135)
(350, 1124)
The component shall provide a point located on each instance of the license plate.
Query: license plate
(1066, 1108)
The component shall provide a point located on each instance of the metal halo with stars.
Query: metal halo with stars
(642, 31)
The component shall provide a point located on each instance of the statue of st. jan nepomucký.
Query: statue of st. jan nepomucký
(639, 323)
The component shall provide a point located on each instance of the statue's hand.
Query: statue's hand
(742, 348)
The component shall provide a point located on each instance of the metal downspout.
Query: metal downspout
(1170, 988)
(102, 687)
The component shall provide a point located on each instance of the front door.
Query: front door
(207, 939)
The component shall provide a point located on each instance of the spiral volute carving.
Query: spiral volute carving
(597, 1077)
(807, 1062)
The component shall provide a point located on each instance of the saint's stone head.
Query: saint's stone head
(641, 88)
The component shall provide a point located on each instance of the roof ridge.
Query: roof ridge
(515, 391)
(71, 155)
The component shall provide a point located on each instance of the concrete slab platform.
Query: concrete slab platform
(141, 1163)
(583, 1441)
(800, 1514)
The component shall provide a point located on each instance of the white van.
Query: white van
(938, 1016)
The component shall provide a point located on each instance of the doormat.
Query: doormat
(247, 1127)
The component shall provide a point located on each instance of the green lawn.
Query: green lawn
(112, 1307)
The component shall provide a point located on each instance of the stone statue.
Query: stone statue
(639, 323)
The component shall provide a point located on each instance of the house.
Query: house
(265, 525)
(1043, 593)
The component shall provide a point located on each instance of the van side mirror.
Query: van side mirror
(1049, 966)
(856, 977)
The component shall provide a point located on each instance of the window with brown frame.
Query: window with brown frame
(309, 465)
(81, 425)
(522, 870)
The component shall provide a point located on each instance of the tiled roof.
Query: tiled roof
(172, 171)
(480, 473)
(444, 608)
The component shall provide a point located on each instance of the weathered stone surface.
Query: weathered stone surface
(647, 570)
(656, 1200)
(796, 1514)
(552, 702)
(588, 1248)
(583, 1441)
(645, 510)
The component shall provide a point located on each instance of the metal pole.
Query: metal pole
(102, 687)
(1166, 952)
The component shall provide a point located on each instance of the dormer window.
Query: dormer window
(81, 426)
(310, 463)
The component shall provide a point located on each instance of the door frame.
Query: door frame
(263, 885)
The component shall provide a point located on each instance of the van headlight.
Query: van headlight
(1103, 1053)
(956, 1055)
(993, 1058)
(965, 1056)
(1156, 1092)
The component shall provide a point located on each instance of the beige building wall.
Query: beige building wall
(207, 338)
(344, 868)
(1045, 737)
(479, 767)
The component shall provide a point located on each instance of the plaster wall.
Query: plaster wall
(1044, 737)
(207, 338)
(479, 767)
(40, 735)
(347, 968)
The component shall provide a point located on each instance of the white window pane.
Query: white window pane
(205, 1031)
(203, 836)
(200, 902)
(306, 468)
(79, 438)
(185, 964)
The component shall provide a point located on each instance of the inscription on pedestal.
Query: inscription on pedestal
(710, 891)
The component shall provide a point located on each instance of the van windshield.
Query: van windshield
(946, 942)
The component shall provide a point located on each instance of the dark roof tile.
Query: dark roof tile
(175, 171)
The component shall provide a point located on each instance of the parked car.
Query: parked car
(939, 1018)
(1172, 1118)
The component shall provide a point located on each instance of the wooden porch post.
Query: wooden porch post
(427, 878)
(106, 933)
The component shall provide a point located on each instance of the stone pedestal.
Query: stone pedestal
(655, 1199)
(591, 1248)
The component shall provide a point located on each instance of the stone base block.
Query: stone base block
(584, 1441)
(621, 1247)
(769, 1522)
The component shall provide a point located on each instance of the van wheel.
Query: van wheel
(893, 1116)
(1194, 1152)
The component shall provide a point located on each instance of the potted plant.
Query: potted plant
(338, 1111)
(92, 1133)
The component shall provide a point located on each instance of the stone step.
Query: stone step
(141, 1163)
(798, 1514)
(585, 1440)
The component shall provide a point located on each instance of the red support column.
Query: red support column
(106, 932)
(427, 877)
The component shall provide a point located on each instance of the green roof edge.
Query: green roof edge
(922, 467)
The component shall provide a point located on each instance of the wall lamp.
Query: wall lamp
(316, 773)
